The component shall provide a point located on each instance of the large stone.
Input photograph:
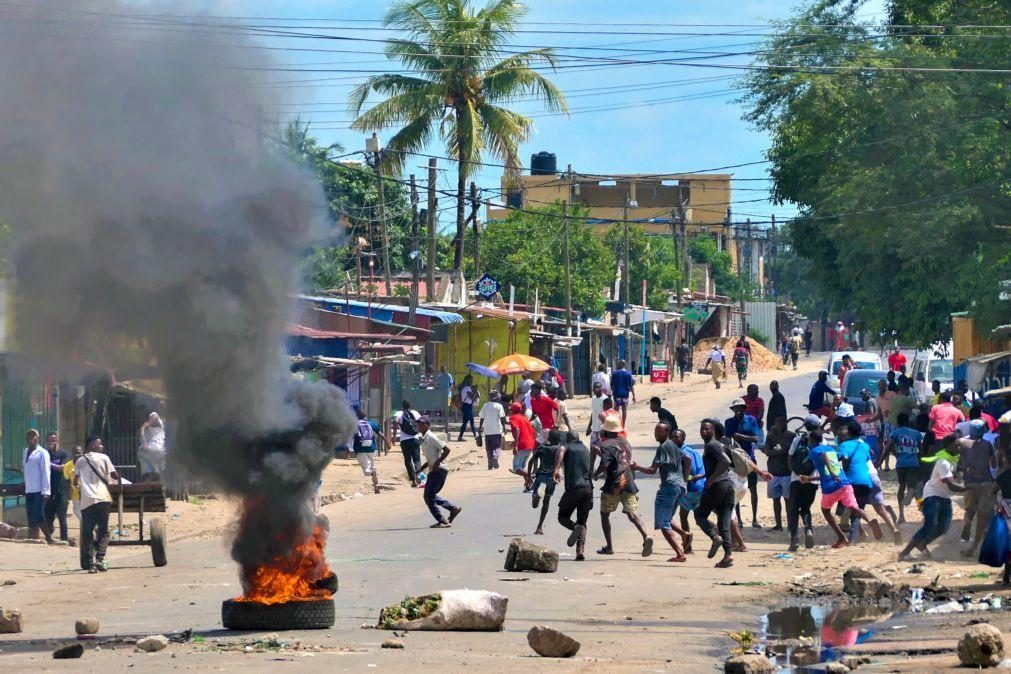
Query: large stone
(751, 663)
(551, 643)
(10, 620)
(152, 643)
(524, 556)
(68, 651)
(865, 583)
(86, 626)
(392, 643)
(981, 646)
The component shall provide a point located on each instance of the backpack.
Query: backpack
(800, 460)
(407, 423)
(619, 471)
(739, 459)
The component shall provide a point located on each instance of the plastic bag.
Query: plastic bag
(996, 546)
(454, 610)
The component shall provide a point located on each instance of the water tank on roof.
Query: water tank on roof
(543, 164)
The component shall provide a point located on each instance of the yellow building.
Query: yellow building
(650, 201)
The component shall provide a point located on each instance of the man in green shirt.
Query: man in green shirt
(668, 461)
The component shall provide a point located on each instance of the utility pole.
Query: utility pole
(373, 145)
(415, 253)
(568, 292)
(475, 210)
(432, 252)
(628, 277)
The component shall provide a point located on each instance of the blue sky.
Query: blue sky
(664, 137)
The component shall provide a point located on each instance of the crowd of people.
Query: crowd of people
(939, 447)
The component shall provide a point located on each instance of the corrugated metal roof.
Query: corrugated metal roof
(444, 316)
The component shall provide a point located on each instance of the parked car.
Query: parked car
(856, 381)
(928, 366)
(865, 360)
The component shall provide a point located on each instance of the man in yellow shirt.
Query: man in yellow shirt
(68, 475)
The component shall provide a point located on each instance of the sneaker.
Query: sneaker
(102, 565)
(454, 512)
(536, 500)
(93, 569)
(578, 532)
(876, 530)
(794, 545)
(808, 539)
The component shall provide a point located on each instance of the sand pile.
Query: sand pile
(762, 359)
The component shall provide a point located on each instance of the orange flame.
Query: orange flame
(292, 577)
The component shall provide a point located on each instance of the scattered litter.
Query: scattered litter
(915, 568)
(783, 555)
(979, 575)
(950, 607)
(898, 627)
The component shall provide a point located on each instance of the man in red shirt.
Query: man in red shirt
(524, 443)
(944, 416)
(546, 410)
(753, 404)
(896, 360)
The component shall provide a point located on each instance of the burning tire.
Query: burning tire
(307, 614)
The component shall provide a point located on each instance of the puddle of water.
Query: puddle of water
(798, 636)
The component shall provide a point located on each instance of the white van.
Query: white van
(930, 364)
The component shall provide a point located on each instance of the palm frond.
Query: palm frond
(394, 85)
(499, 19)
(398, 109)
(502, 132)
(418, 18)
(413, 137)
(514, 76)
(415, 55)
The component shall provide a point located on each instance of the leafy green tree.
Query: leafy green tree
(461, 89)
(652, 258)
(526, 250)
(703, 250)
(351, 195)
(901, 175)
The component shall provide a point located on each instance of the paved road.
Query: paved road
(622, 608)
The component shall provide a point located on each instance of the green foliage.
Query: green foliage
(351, 193)
(703, 250)
(758, 336)
(902, 178)
(652, 258)
(526, 250)
(411, 608)
(463, 91)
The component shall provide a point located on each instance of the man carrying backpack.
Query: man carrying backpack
(410, 440)
(802, 494)
(619, 485)
(364, 443)
(747, 432)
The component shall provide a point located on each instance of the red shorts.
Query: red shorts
(842, 495)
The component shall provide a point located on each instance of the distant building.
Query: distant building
(655, 202)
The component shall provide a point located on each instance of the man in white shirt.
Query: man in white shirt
(936, 505)
(716, 364)
(93, 473)
(38, 487)
(410, 440)
(597, 398)
(492, 421)
(435, 451)
(601, 377)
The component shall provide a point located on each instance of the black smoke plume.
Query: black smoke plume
(151, 221)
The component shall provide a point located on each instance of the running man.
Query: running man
(717, 495)
(619, 486)
(410, 440)
(574, 459)
(491, 424)
(777, 448)
(906, 444)
(364, 445)
(668, 461)
(936, 505)
(746, 431)
(524, 441)
(542, 467)
(835, 487)
(435, 451)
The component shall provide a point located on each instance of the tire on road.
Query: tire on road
(159, 539)
(308, 614)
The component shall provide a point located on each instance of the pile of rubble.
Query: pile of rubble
(762, 360)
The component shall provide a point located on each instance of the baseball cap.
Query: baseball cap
(515, 407)
(977, 428)
(812, 420)
(845, 411)
(738, 402)
(424, 419)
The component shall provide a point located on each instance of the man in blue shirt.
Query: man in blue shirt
(622, 386)
(858, 458)
(745, 430)
(816, 401)
(905, 443)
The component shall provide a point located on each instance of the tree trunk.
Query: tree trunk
(461, 204)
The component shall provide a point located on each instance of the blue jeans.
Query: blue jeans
(436, 481)
(665, 504)
(936, 520)
(467, 410)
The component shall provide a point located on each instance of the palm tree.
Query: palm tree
(464, 76)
